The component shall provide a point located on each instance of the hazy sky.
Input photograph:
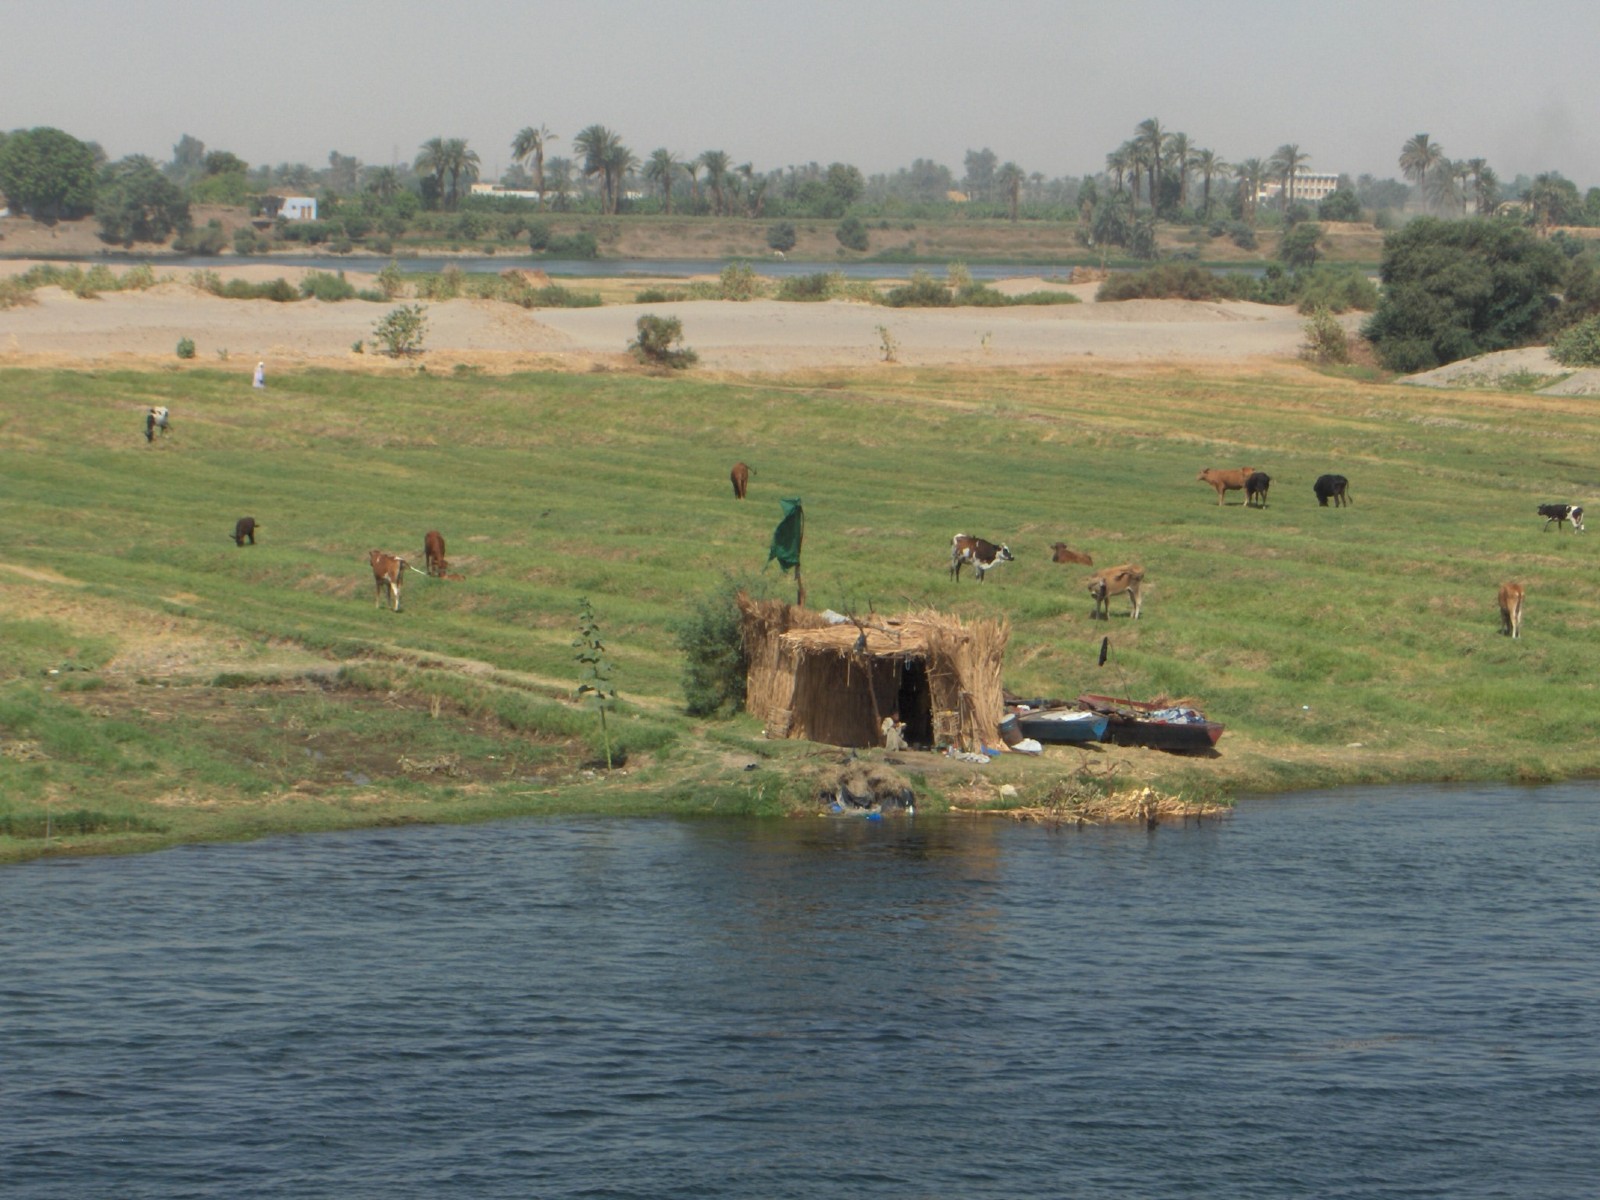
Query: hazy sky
(878, 83)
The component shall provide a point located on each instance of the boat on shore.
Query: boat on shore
(1159, 726)
(1058, 726)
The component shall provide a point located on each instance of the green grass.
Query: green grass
(1338, 645)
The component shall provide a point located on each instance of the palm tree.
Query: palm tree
(715, 163)
(618, 161)
(1419, 156)
(595, 143)
(1546, 201)
(559, 172)
(1285, 165)
(1485, 185)
(1009, 178)
(660, 170)
(1118, 162)
(1251, 174)
(1152, 137)
(1180, 155)
(460, 160)
(432, 160)
(1210, 166)
(383, 182)
(530, 143)
(691, 168)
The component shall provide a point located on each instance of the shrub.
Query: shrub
(1242, 235)
(656, 342)
(820, 285)
(185, 347)
(661, 296)
(538, 236)
(247, 241)
(400, 332)
(579, 245)
(15, 294)
(1337, 289)
(739, 282)
(783, 236)
(322, 285)
(1174, 281)
(1579, 345)
(852, 234)
(391, 281)
(207, 239)
(923, 291)
(712, 644)
(1299, 247)
(137, 279)
(1325, 339)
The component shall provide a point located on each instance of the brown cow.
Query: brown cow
(740, 477)
(433, 553)
(388, 571)
(244, 527)
(1511, 609)
(1060, 554)
(1226, 480)
(1113, 581)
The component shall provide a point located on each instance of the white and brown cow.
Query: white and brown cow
(1511, 609)
(983, 555)
(388, 572)
(156, 418)
(1114, 581)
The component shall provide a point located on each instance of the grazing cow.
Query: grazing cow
(1059, 553)
(740, 478)
(156, 418)
(243, 528)
(388, 571)
(1511, 609)
(984, 556)
(433, 553)
(1332, 487)
(1255, 489)
(1226, 480)
(1113, 581)
(1561, 513)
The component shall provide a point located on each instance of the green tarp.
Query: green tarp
(786, 538)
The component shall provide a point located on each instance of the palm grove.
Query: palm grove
(1159, 181)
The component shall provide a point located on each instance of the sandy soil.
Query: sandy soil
(1528, 365)
(140, 328)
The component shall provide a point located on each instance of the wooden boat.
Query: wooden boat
(1055, 726)
(1158, 726)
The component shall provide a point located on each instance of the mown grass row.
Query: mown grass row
(1338, 645)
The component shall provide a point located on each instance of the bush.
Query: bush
(661, 296)
(1325, 339)
(820, 285)
(1299, 247)
(739, 282)
(538, 236)
(923, 291)
(247, 241)
(782, 237)
(1242, 235)
(208, 239)
(852, 234)
(401, 331)
(1578, 346)
(656, 342)
(185, 347)
(391, 281)
(715, 664)
(1174, 281)
(322, 285)
(1337, 289)
(579, 245)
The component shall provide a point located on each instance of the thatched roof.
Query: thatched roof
(834, 682)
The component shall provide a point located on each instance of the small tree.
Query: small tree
(782, 237)
(594, 677)
(400, 332)
(656, 339)
(1326, 341)
(1299, 246)
(852, 234)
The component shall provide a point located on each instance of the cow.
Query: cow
(1113, 581)
(388, 571)
(433, 553)
(1562, 513)
(1059, 553)
(156, 418)
(1332, 487)
(1226, 480)
(1511, 609)
(243, 528)
(984, 556)
(740, 478)
(1255, 489)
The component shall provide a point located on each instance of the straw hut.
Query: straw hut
(835, 683)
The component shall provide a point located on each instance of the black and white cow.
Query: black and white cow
(1560, 514)
(156, 418)
(981, 554)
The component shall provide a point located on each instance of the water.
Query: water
(1358, 994)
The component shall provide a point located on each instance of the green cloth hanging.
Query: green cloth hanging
(786, 538)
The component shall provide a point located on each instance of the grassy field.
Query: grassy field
(159, 684)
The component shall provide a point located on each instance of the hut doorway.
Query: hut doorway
(914, 703)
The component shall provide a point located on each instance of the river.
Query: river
(1365, 993)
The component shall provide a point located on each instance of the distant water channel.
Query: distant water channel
(1386, 993)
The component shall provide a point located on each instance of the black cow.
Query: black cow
(244, 528)
(983, 555)
(1255, 489)
(1562, 513)
(1332, 487)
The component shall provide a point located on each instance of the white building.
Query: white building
(502, 193)
(1309, 188)
(298, 208)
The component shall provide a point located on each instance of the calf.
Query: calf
(983, 556)
(244, 528)
(433, 553)
(740, 478)
(1561, 513)
(1255, 489)
(1231, 480)
(1511, 609)
(1113, 581)
(1332, 487)
(156, 418)
(1060, 553)
(388, 571)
